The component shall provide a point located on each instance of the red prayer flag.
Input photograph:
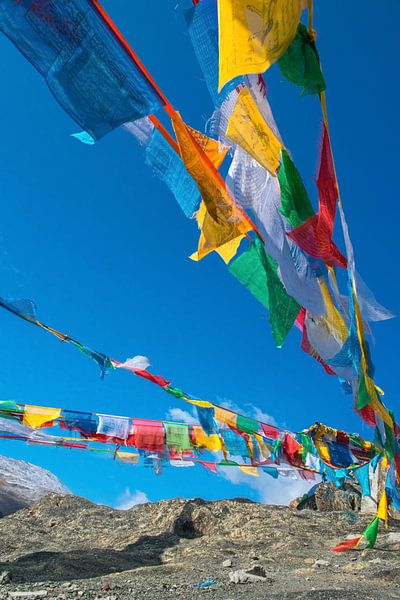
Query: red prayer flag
(314, 236)
(270, 431)
(347, 545)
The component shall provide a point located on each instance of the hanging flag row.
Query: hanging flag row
(331, 453)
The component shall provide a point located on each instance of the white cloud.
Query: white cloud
(270, 491)
(129, 499)
(260, 415)
(177, 414)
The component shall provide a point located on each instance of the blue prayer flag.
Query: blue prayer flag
(86, 68)
(168, 166)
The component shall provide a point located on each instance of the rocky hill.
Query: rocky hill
(22, 484)
(65, 547)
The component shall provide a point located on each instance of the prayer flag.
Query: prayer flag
(38, 416)
(168, 166)
(295, 204)
(85, 66)
(347, 545)
(223, 222)
(248, 129)
(314, 236)
(300, 63)
(253, 35)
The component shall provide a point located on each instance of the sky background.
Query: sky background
(102, 247)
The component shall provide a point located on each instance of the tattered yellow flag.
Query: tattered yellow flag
(220, 220)
(226, 251)
(249, 470)
(211, 442)
(253, 34)
(248, 129)
(36, 416)
(333, 319)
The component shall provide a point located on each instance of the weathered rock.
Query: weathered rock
(5, 577)
(227, 563)
(241, 576)
(328, 497)
(22, 484)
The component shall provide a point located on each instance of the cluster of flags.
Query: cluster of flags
(260, 218)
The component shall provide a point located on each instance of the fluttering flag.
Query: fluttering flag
(248, 129)
(38, 416)
(202, 23)
(371, 532)
(382, 512)
(300, 63)
(252, 36)
(85, 66)
(347, 545)
(295, 203)
(258, 271)
(314, 236)
(168, 166)
(223, 222)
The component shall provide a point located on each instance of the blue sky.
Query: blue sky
(102, 247)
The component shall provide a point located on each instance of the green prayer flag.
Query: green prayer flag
(174, 391)
(300, 63)
(295, 203)
(371, 532)
(177, 436)
(363, 397)
(258, 271)
(390, 442)
(247, 425)
(283, 309)
(249, 270)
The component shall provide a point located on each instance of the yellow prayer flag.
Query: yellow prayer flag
(248, 129)
(36, 416)
(375, 403)
(223, 221)
(202, 440)
(253, 34)
(225, 416)
(226, 251)
(323, 451)
(202, 403)
(249, 470)
(128, 457)
(382, 511)
(333, 319)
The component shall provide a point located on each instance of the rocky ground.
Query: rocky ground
(64, 547)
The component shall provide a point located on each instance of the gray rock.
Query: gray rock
(5, 577)
(227, 563)
(321, 563)
(257, 570)
(241, 576)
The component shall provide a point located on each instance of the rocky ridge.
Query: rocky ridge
(22, 484)
(65, 547)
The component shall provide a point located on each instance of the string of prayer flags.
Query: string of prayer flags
(248, 129)
(87, 70)
(253, 35)
(300, 63)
